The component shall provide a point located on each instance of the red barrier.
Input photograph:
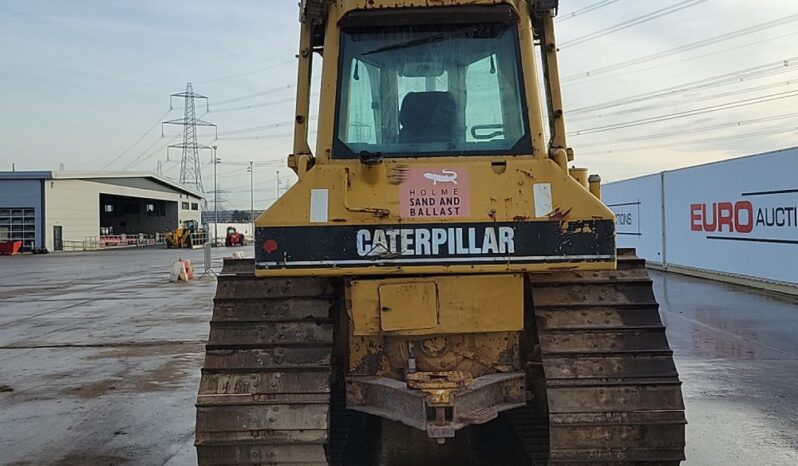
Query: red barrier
(10, 248)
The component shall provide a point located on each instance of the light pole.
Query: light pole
(278, 184)
(252, 198)
(215, 199)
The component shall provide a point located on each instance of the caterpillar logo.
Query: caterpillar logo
(497, 243)
(433, 241)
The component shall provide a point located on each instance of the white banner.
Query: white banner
(738, 216)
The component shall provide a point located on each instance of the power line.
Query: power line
(792, 129)
(239, 154)
(767, 69)
(689, 113)
(248, 152)
(246, 73)
(264, 104)
(683, 48)
(237, 173)
(144, 154)
(587, 9)
(254, 129)
(273, 90)
(632, 22)
(247, 107)
(284, 87)
(702, 129)
(687, 100)
(269, 137)
(736, 48)
(257, 163)
(150, 126)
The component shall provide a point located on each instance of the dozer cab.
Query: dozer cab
(439, 287)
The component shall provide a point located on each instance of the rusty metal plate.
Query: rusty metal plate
(646, 365)
(265, 383)
(649, 437)
(250, 287)
(600, 294)
(587, 341)
(553, 318)
(262, 437)
(615, 398)
(241, 399)
(408, 306)
(262, 417)
(283, 455)
(245, 360)
(269, 333)
(272, 310)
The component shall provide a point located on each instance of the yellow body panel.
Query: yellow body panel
(437, 305)
(503, 191)
(345, 192)
(508, 195)
(404, 306)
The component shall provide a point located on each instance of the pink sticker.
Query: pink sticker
(435, 192)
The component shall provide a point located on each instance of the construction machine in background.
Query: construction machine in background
(234, 238)
(438, 287)
(187, 235)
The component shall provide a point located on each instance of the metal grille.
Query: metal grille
(313, 11)
(18, 225)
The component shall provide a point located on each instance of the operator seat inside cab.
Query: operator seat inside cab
(428, 117)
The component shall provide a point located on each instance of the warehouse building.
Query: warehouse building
(50, 209)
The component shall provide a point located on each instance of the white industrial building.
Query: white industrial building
(50, 209)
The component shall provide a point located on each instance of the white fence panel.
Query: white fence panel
(736, 217)
(637, 204)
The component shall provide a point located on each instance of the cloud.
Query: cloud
(82, 79)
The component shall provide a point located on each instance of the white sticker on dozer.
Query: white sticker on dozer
(319, 202)
(543, 203)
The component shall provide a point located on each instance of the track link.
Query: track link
(264, 396)
(611, 392)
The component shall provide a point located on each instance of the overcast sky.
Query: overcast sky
(83, 83)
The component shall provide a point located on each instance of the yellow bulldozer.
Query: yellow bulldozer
(187, 235)
(439, 287)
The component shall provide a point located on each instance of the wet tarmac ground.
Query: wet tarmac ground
(737, 355)
(100, 357)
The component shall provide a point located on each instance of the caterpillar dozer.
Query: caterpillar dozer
(184, 236)
(440, 286)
